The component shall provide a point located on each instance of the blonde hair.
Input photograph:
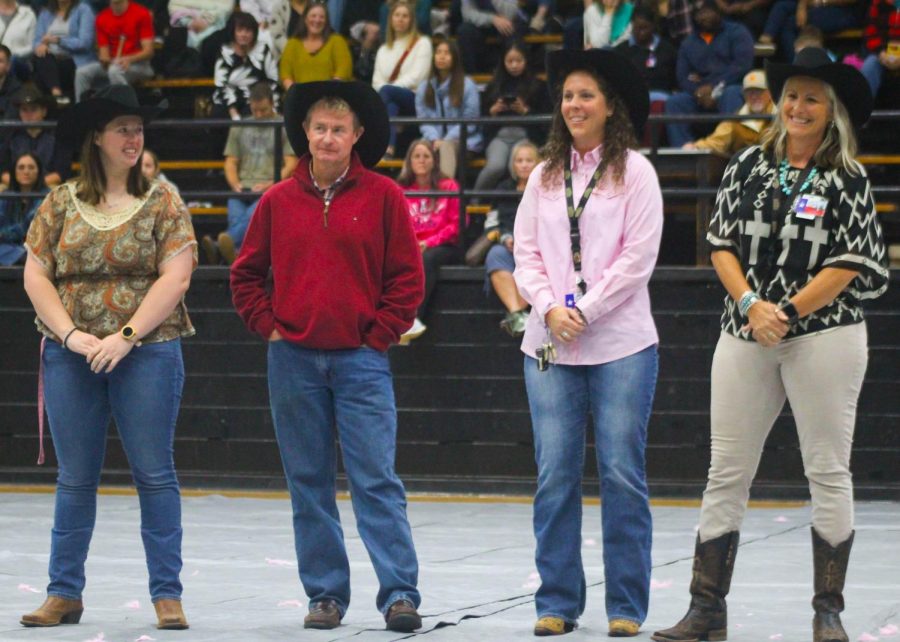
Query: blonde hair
(522, 144)
(838, 147)
(413, 28)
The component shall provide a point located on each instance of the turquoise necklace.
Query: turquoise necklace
(783, 181)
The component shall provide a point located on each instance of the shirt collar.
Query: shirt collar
(590, 162)
(333, 186)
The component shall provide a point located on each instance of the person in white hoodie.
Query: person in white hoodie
(402, 63)
(17, 25)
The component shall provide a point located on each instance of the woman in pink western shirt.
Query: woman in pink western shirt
(590, 341)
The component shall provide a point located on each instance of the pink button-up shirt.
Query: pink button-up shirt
(621, 227)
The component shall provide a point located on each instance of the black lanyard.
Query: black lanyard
(575, 215)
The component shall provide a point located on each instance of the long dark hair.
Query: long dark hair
(91, 183)
(618, 138)
(456, 74)
(502, 76)
(53, 7)
(301, 32)
(408, 179)
(18, 208)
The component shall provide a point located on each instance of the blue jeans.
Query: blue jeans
(619, 395)
(399, 101)
(317, 395)
(681, 102)
(873, 71)
(240, 212)
(142, 394)
(781, 25)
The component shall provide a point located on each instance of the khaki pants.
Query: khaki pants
(821, 375)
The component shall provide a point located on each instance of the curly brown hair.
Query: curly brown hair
(618, 138)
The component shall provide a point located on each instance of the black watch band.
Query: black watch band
(791, 312)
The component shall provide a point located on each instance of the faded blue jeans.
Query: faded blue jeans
(240, 211)
(317, 395)
(619, 395)
(142, 394)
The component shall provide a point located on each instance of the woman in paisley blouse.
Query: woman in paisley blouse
(110, 257)
(797, 244)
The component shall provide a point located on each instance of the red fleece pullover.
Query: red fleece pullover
(351, 278)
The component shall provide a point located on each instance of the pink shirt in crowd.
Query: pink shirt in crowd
(435, 220)
(621, 228)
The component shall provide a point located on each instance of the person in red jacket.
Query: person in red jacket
(346, 278)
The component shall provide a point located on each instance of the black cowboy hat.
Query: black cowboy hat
(618, 71)
(363, 100)
(848, 83)
(31, 95)
(108, 103)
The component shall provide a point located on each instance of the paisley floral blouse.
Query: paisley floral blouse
(103, 264)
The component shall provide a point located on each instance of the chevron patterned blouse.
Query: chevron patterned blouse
(832, 223)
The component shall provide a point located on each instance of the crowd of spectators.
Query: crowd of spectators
(697, 56)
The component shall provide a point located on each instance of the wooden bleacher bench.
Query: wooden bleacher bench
(209, 211)
(178, 83)
(533, 39)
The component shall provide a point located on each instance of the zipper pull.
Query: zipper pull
(325, 212)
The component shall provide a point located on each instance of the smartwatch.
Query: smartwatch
(791, 312)
(129, 334)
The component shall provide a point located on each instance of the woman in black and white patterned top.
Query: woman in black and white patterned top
(243, 62)
(796, 242)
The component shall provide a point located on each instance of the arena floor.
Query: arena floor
(477, 572)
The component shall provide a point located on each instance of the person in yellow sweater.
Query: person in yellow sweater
(314, 51)
(731, 136)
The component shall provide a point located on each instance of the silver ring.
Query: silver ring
(564, 334)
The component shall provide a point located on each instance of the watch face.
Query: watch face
(128, 332)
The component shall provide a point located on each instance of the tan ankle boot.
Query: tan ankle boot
(170, 615)
(55, 611)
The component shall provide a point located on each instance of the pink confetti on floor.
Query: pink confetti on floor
(133, 604)
(100, 638)
(866, 637)
(144, 638)
(294, 603)
(276, 562)
(660, 584)
(776, 636)
(28, 588)
(781, 519)
(195, 573)
(889, 630)
(534, 581)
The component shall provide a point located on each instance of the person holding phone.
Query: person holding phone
(513, 91)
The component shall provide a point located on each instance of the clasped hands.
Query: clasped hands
(767, 324)
(103, 355)
(565, 324)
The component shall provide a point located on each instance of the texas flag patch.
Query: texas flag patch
(810, 206)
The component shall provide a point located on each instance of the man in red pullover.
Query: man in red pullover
(346, 280)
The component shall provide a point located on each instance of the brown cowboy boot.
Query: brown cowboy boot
(707, 616)
(830, 566)
(169, 615)
(54, 611)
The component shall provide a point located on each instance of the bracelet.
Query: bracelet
(66, 338)
(746, 302)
